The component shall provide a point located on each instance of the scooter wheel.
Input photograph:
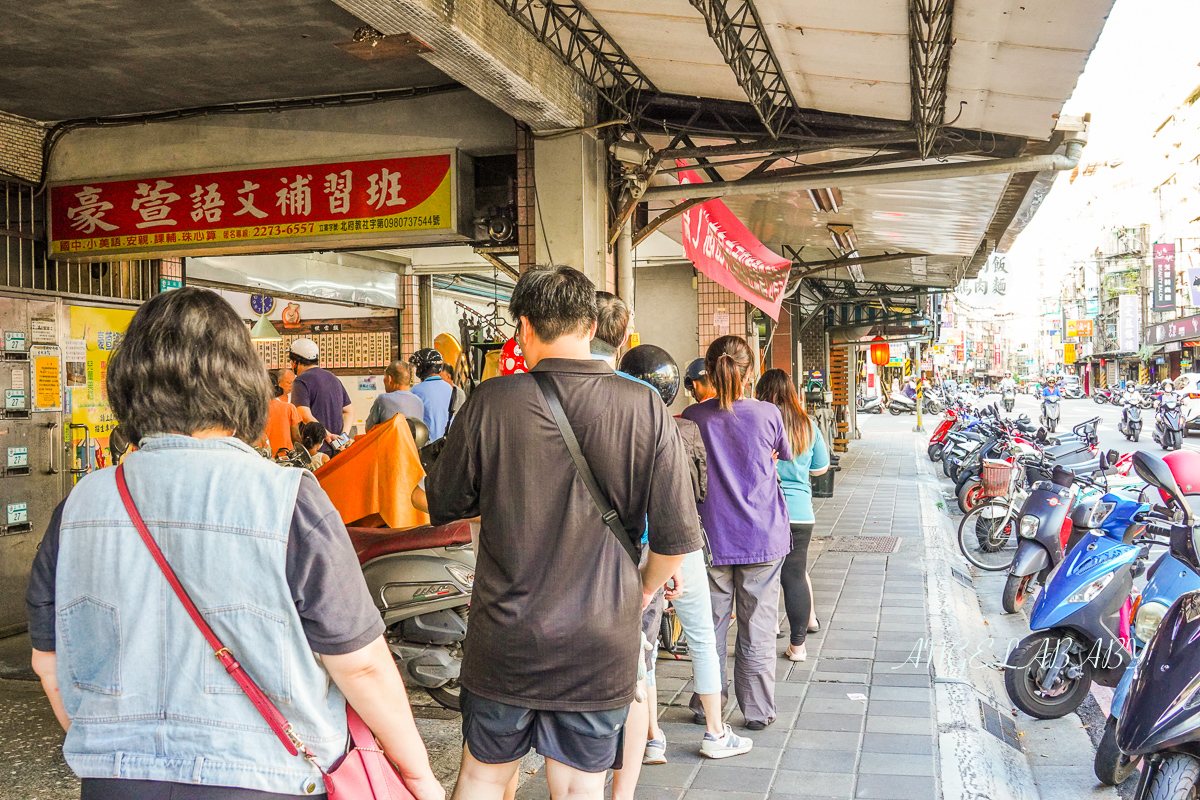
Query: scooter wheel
(970, 496)
(1017, 590)
(1174, 778)
(935, 452)
(1112, 766)
(895, 409)
(448, 696)
(1135, 435)
(1025, 669)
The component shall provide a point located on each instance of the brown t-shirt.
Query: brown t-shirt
(556, 605)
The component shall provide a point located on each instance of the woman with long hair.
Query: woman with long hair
(811, 458)
(747, 523)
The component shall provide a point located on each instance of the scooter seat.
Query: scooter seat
(371, 543)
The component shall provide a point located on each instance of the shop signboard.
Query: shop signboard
(1176, 330)
(1069, 353)
(1079, 328)
(1193, 282)
(95, 335)
(368, 202)
(1129, 322)
(721, 247)
(1164, 277)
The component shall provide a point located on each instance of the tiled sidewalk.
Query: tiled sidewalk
(825, 744)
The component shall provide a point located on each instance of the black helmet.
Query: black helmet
(695, 372)
(654, 366)
(426, 362)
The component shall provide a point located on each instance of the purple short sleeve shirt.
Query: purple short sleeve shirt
(744, 513)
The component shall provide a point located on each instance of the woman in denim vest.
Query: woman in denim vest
(149, 712)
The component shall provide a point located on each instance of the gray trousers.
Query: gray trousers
(753, 590)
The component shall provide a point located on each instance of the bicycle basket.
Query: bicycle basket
(996, 477)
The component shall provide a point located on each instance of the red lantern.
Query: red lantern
(881, 352)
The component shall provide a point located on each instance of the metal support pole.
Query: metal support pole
(920, 392)
(425, 309)
(624, 255)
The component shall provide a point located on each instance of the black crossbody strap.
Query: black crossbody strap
(607, 512)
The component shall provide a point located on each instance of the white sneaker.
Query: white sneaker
(656, 752)
(794, 653)
(728, 745)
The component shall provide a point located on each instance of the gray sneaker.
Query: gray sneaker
(725, 746)
(656, 752)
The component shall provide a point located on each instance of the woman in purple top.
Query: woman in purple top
(747, 523)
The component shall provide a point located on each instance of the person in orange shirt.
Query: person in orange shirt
(283, 422)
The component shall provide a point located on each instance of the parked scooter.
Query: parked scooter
(1166, 580)
(1168, 422)
(1131, 415)
(1044, 529)
(1160, 720)
(900, 403)
(1050, 413)
(870, 405)
(1080, 618)
(421, 581)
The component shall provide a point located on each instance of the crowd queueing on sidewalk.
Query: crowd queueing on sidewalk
(596, 507)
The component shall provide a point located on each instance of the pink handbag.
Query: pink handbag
(364, 773)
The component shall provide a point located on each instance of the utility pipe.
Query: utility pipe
(767, 185)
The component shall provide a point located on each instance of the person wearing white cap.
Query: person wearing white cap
(317, 393)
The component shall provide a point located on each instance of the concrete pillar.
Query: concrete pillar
(571, 209)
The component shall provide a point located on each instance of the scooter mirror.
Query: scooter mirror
(1023, 418)
(1104, 462)
(1113, 457)
(1154, 470)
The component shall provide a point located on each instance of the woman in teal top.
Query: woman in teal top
(812, 458)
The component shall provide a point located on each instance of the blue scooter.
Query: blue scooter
(1077, 618)
(1167, 580)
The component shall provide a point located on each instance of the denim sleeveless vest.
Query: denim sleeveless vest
(146, 697)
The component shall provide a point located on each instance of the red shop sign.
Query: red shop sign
(722, 248)
(372, 201)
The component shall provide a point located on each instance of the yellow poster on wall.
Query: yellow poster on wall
(95, 334)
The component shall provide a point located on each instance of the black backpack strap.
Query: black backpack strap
(607, 512)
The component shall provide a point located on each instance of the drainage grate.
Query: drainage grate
(962, 578)
(864, 544)
(999, 725)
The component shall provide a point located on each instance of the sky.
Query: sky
(1144, 65)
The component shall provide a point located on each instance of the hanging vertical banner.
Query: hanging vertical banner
(1193, 282)
(721, 247)
(1164, 277)
(1129, 322)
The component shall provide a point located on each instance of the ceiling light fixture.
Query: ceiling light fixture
(264, 331)
(825, 200)
(843, 237)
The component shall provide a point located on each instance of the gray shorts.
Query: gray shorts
(497, 733)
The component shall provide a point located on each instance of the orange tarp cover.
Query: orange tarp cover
(377, 475)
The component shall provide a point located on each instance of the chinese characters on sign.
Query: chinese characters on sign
(1173, 331)
(1129, 322)
(987, 288)
(721, 247)
(1164, 277)
(184, 213)
(1080, 328)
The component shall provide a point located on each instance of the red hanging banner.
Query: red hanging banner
(722, 248)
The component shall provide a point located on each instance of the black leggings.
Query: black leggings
(794, 579)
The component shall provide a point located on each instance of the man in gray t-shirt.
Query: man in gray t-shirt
(396, 399)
